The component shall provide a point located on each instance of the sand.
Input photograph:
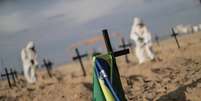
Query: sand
(176, 77)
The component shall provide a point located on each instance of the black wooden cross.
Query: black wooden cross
(109, 47)
(48, 65)
(12, 73)
(131, 46)
(114, 54)
(124, 46)
(157, 40)
(79, 57)
(175, 37)
(15, 73)
(8, 77)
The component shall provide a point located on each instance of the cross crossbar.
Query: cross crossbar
(79, 57)
(109, 46)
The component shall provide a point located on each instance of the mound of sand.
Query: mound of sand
(177, 77)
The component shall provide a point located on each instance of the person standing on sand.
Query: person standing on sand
(28, 56)
(143, 41)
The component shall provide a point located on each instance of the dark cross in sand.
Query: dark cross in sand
(114, 54)
(157, 40)
(7, 74)
(13, 75)
(175, 37)
(109, 47)
(124, 46)
(48, 65)
(131, 46)
(79, 57)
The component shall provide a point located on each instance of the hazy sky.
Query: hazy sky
(56, 24)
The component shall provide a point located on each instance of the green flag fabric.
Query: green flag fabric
(106, 80)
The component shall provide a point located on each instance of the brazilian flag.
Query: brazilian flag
(106, 80)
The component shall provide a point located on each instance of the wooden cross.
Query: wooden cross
(131, 45)
(157, 40)
(79, 57)
(15, 73)
(12, 73)
(124, 45)
(114, 54)
(8, 78)
(175, 37)
(109, 47)
(48, 65)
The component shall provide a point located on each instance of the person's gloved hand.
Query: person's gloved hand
(140, 39)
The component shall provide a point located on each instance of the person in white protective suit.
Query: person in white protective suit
(29, 62)
(143, 41)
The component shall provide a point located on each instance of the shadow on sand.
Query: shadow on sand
(88, 86)
(179, 93)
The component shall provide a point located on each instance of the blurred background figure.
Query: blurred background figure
(29, 61)
(183, 29)
(143, 41)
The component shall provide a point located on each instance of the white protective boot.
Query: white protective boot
(140, 54)
(149, 52)
(148, 45)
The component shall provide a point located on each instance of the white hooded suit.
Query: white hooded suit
(143, 41)
(28, 56)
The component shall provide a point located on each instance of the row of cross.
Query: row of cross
(12, 75)
(124, 46)
(80, 56)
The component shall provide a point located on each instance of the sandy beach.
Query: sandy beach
(176, 77)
